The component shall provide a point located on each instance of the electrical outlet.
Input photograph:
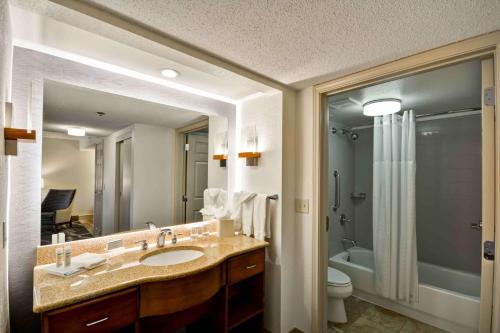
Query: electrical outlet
(302, 206)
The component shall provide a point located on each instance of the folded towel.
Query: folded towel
(63, 271)
(261, 217)
(88, 260)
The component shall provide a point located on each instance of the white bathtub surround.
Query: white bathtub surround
(394, 221)
(448, 298)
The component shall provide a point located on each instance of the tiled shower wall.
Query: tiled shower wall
(341, 158)
(448, 191)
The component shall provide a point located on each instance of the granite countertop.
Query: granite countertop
(123, 270)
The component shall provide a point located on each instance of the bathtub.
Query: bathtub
(448, 298)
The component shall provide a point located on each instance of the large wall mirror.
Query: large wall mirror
(112, 163)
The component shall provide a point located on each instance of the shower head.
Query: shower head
(353, 135)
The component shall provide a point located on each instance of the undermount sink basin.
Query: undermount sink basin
(171, 257)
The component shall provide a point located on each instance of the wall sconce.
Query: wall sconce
(221, 149)
(13, 135)
(250, 146)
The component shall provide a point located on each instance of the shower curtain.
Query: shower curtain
(394, 222)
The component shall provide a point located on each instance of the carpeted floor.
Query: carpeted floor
(76, 232)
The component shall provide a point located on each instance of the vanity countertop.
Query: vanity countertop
(123, 270)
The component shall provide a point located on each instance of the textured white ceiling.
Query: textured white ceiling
(293, 41)
(65, 105)
(450, 88)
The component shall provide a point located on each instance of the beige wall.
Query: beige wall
(66, 166)
(265, 112)
(153, 172)
(5, 83)
(303, 222)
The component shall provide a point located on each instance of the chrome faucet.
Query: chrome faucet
(344, 219)
(350, 241)
(160, 240)
(150, 225)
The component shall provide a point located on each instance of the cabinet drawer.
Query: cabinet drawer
(246, 265)
(104, 314)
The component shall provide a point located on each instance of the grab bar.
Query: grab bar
(336, 204)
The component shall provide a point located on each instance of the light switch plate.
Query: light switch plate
(302, 206)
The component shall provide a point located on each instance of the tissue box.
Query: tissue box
(225, 228)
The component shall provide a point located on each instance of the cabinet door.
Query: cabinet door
(104, 314)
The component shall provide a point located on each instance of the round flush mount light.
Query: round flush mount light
(170, 73)
(76, 131)
(381, 107)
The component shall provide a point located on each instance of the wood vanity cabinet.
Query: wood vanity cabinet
(226, 298)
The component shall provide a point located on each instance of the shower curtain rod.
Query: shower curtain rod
(422, 117)
(449, 112)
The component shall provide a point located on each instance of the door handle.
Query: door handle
(477, 226)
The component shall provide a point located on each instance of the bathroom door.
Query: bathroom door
(124, 184)
(196, 175)
(488, 200)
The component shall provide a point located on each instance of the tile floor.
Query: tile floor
(364, 317)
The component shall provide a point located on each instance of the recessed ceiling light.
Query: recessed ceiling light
(381, 107)
(170, 73)
(100, 113)
(76, 131)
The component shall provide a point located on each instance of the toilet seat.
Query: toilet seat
(337, 278)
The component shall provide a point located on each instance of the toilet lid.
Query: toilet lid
(337, 278)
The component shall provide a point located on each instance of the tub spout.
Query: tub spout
(349, 241)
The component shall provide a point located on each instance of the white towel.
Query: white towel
(214, 197)
(243, 211)
(89, 260)
(261, 217)
(215, 203)
(63, 271)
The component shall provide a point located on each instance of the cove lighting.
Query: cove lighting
(119, 70)
(76, 131)
(381, 107)
(170, 73)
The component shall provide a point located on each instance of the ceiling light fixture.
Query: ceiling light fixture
(76, 131)
(170, 73)
(382, 107)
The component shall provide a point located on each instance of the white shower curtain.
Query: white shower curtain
(394, 222)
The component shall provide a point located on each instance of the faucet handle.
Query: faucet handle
(144, 244)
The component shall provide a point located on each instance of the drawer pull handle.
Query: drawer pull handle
(96, 322)
(251, 266)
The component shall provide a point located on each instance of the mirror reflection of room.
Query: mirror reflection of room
(109, 163)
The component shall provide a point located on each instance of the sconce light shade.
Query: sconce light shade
(250, 146)
(221, 149)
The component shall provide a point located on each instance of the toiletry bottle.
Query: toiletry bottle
(67, 256)
(59, 256)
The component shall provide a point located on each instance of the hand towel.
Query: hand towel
(239, 198)
(261, 217)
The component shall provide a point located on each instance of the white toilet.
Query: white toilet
(339, 287)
